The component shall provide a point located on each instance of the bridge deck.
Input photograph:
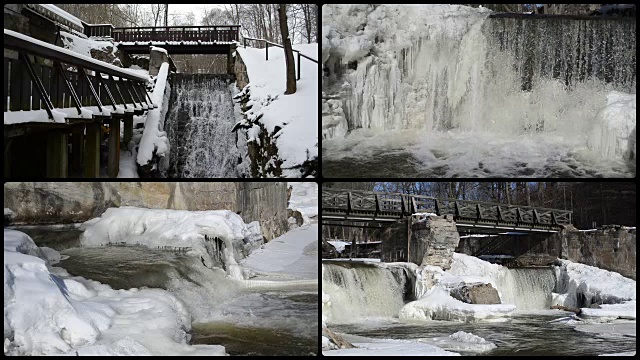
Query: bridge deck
(352, 206)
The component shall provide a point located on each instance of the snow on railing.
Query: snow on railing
(154, 139)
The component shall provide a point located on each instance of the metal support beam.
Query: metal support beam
(93, 90)
(72, 91)
(46, 100)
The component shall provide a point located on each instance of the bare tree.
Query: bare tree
(288, 51)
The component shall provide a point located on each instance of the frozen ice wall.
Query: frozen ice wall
(199, 128)
(442, 67)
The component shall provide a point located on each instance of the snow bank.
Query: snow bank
(294, 254)
(297, 114)
(620, 354)
(339, 245)
(154, 139)
(626, 310)
(304, 198)
(613, 133)
(174, 229)
(48, 312)
(585, 285)
(437, 304)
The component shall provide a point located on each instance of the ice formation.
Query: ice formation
(176, 229)
(448, 67)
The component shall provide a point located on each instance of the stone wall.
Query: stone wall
(611, 248)
(66, 202)
(433, 240)
(19, 19)
(240, 70)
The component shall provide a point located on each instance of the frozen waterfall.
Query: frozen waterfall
(439, 68)
(527, 288)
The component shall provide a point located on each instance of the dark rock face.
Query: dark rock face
(476, 294)
(296, 215)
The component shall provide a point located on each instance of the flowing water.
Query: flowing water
(486, 97)
(247, 321)
(365, 300)
(199, 126)
(523, 335)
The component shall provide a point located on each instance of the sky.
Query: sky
(197, 9)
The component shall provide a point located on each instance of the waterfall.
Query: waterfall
(527, 288)
(360, 291)
(199, 127)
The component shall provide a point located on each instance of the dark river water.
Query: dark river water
(524, 335)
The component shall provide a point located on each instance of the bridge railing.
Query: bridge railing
(103, 30)
(382, 205)
(218, 33)
(74, 80)
(266, 50)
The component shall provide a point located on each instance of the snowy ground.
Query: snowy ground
(296, 115)
(293, 255)
(48, 312)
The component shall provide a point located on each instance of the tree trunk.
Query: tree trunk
(288, 51)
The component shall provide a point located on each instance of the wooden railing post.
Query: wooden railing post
(299, 65)
(267, 49)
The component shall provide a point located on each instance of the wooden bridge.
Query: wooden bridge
(175, 39)
(56, 102)
(346, 207)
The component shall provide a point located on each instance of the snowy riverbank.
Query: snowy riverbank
(49, 312)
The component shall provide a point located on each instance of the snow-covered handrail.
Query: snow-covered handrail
(266, 48)
(27, 44)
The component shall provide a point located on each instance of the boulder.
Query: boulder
(476, 294)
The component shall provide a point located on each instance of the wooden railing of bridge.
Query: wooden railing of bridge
(66, 84)
(266, 50)
(218, 33)
(386, 206)
(62, 79)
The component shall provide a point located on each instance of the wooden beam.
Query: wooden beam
(92, 151)
(57, 162)
(77, 148)
(113, 163)
(128, 130)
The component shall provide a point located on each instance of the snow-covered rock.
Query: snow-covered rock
(461, 341)
(583, 285)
